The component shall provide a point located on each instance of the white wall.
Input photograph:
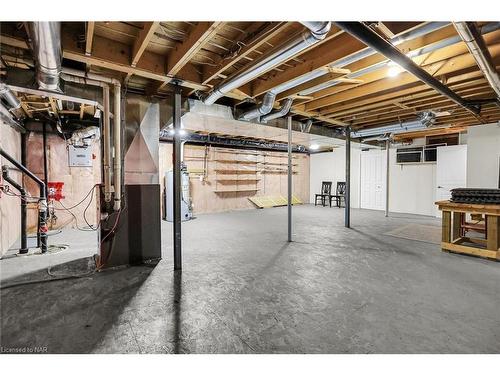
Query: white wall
(330, 166)
(412, 187)
(483, 153)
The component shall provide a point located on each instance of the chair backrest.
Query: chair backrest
(326, 187)
(340, 188)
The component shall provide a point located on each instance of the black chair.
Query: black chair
(326, 192)
(340, 193)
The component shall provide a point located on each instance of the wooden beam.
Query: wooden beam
(82, 111)
(379, 84)
(404, 94)
(385, 30)
(268, 33)
(89, 37)
(184, 52)
(116, 56)
(142, 41)
(316, 115)
(429, 132)
(339, 47)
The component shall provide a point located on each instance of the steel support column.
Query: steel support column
(347, 210)
(290, 172)
(387, 145)
(45, 162)
(176, 159)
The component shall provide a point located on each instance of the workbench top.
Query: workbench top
(473, 208)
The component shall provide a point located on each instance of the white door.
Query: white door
(451, 171)
(373, 170)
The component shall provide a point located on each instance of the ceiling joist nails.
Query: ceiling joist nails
(142, 41)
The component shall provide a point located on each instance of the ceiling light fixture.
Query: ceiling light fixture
(314, 146)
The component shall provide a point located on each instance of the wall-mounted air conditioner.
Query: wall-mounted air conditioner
(416, 155)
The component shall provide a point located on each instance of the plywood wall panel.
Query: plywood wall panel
(10, 211)
(203, 194)
(78, 181)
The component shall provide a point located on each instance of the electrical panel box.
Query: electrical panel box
(80, 156)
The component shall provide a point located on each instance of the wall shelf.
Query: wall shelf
(236, 171)
(235, 191)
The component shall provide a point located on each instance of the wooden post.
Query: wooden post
(493, 234)
(457, 221)
(446, 227)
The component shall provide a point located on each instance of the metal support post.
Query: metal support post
(387, 145)
(290, 172)
(347, 211)
(177, 196)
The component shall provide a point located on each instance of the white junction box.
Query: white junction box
(80, 156)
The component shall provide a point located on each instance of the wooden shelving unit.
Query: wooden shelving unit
(237, 172)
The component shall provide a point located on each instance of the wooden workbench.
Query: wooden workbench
(452, 240)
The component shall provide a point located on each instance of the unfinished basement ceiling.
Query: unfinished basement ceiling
(366, 92)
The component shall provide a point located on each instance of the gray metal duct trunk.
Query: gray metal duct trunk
(46, 43)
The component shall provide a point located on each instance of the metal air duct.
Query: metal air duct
(283, 111)
(477, 47)
(317, 32)
(46, 43)
(261, 110)
(7, 95)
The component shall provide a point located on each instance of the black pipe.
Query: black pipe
(347, 194)
(177, 193)
(24, 241)
(23, 162)
(45, 164)
(42, 201)
(369, 37)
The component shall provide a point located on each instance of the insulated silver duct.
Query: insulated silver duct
(306, 127)
(317, 31)
(283, 111)
(46, 42)
(261, 110)
(7, 95)
(477, 47)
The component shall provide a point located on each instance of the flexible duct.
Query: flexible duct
(263, 109)
(46, 42)
(283, 111)
(477, 47)
(306, 127)
(410, 35)
(317, 31)
(7, 95)
(393, 128)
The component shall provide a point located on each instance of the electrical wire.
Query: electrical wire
(76, 220)
(76, 205)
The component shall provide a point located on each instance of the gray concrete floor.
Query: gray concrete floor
(243, 289)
